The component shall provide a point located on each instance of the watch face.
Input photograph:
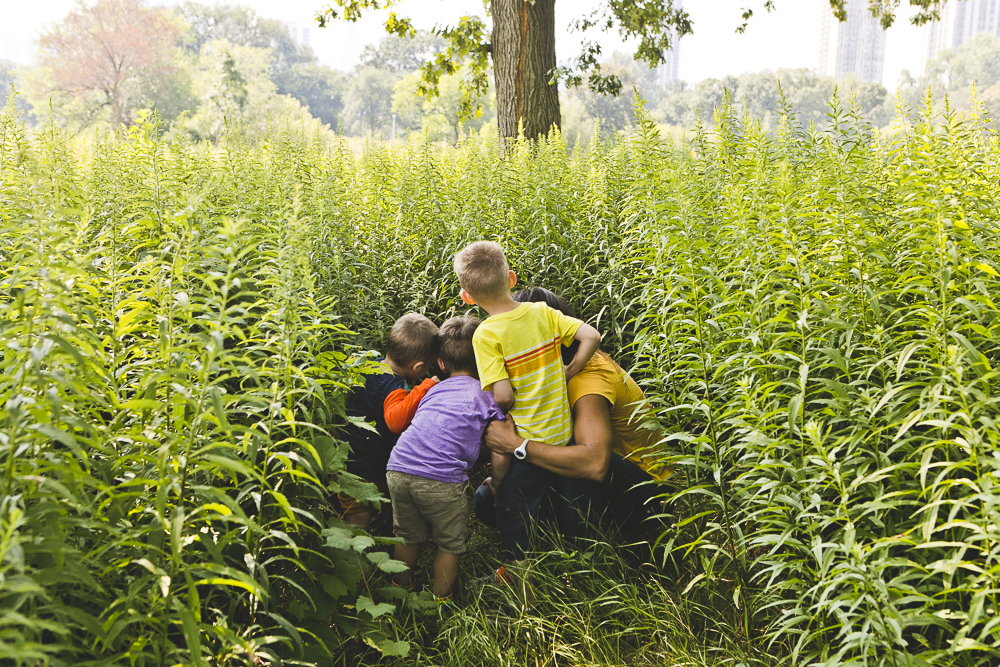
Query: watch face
(520, 453)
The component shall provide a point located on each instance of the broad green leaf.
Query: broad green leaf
(385, 562)
(365, 604)
(344, 538)
(394, 648)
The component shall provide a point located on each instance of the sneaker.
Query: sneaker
(500, 577)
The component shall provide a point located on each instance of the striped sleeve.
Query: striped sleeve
(564, 325)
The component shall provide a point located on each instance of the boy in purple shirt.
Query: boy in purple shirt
(428, 468)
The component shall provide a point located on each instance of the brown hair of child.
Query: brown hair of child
(455, 345)
(412, 338)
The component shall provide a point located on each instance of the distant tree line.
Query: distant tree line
(205, 68)
(951, 74)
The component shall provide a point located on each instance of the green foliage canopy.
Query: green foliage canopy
(654, 24)
(293, 67)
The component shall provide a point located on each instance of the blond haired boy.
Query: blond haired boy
(518, 357)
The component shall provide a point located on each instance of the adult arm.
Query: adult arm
(588, 459)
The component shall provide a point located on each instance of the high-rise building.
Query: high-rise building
(960, 20)
(856, 46)
(668, 71)
(298, 32)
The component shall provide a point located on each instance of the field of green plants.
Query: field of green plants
(810, 313)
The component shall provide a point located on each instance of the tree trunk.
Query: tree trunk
(117, 107)
(524, 54)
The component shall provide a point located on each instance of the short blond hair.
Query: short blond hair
(412, 338)
(483, 270)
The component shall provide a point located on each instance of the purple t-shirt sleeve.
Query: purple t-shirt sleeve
(492, 410)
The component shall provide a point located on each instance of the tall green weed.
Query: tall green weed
(172, 389)
(809, 311)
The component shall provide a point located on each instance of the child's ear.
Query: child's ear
(513, 279)
(467, 298)
(444, 369)
(419, 368)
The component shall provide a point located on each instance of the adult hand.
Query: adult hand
(501, 436)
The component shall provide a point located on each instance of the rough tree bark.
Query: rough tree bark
(524, 52)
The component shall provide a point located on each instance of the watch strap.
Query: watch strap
(522, 450)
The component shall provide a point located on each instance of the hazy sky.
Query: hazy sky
(788, 37)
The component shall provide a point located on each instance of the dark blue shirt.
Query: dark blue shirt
(370, 451)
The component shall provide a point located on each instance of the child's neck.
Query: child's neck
(504, 304)
(462, 373)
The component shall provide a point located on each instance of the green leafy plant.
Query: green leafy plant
(811, 313)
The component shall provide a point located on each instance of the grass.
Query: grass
(598, 601)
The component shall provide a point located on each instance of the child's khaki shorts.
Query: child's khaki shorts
(424, 509)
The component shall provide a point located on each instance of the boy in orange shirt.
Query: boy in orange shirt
(389, 400)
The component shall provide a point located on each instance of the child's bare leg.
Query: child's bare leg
(500, 463)
(408, 553)
(445, 573)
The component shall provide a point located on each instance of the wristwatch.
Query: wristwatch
(522, 451)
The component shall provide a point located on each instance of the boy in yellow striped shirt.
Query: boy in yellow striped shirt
(518, 356)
